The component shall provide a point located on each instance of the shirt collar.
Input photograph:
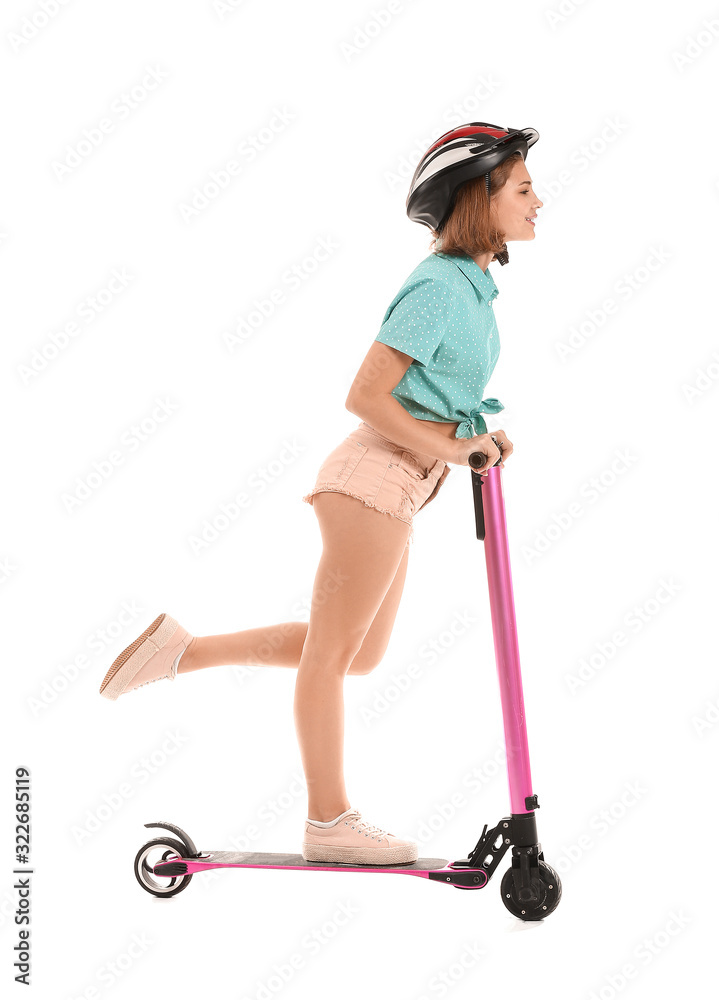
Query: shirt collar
(482, 281)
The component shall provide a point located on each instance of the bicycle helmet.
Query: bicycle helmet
(457, 156)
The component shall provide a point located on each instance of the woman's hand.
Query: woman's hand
(483, 442)
(505, 445)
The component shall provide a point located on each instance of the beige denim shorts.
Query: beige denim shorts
(382, 474)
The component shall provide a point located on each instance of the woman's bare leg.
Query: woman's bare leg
(362, 550)
(281, 645)
(350, 590)
(267, 646)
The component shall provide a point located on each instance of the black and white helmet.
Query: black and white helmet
(457, 156)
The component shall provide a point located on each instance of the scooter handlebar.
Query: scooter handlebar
(478, 458)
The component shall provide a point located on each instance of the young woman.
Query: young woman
(418, 393)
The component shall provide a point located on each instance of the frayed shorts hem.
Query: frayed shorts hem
(389, 477)
(367, 503)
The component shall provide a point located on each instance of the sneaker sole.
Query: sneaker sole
(136, 655)
(359, 855)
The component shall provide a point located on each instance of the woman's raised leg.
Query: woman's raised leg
(281, 645)
(266, 646)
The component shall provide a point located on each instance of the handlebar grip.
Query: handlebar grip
(477, 459)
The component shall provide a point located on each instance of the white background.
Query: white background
(608, 372)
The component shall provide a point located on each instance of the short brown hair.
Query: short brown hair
(469, 230)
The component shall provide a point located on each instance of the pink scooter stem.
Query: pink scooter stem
(490, 512)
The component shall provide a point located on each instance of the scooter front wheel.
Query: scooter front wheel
(152, 853)
(546, 887)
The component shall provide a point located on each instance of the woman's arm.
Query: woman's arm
(370, 398)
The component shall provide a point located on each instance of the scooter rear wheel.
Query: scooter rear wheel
(547, 887)
(160, 885)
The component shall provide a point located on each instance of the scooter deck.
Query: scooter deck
(247, 859)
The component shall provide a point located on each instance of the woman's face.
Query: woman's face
(514, 204)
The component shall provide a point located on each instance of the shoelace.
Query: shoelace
(367, 828)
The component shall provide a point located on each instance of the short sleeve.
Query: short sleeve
(417, 319)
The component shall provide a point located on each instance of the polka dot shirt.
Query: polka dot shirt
(442, 317)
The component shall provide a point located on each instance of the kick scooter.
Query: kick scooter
(530, 889)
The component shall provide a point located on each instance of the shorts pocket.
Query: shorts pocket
(410, 465)
(342, 462)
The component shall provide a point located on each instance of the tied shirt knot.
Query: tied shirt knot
(474, 423)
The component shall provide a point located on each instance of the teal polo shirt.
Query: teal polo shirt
(442, 317)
